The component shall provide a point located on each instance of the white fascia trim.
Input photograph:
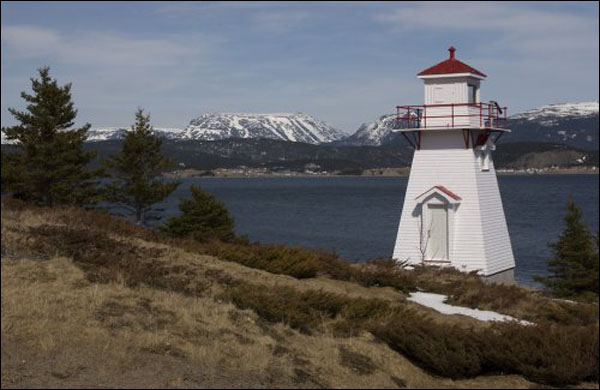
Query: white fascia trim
(448, 75)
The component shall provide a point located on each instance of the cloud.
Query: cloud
(183, 8)
(342, 62)
(518, 27)
(262, 15)
(30, 41)
(280, 21)
(112, 73)
(101, 48)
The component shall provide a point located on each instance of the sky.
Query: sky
(346, 63)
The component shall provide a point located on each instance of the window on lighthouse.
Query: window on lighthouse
(472, 94)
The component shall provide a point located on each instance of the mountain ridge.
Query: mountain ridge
(574, 124)
(295, 127)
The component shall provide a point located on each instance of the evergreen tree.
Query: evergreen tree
(574, 269)
(11, 174)
(203, 217)
(50, 158)
(135, 170)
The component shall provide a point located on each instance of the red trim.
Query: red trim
(450, 66)
(442, 189)
(448, 192)
(415, 116)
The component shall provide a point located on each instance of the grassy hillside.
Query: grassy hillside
(92, 300)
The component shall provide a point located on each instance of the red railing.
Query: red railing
(452, 115)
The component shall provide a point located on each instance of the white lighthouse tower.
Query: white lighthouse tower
(452, 213)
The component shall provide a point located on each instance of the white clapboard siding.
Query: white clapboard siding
(498, 248)
(478, 233)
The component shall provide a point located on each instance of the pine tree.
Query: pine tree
(574, 269)
(135, 170)
(50, 158)
(11, 173)
(203, 217)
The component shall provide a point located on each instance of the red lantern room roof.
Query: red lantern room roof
(451, 65)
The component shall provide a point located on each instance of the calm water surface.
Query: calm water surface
(357, 217)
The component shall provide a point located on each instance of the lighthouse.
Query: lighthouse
(452, 213)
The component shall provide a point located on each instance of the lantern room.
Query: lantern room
(452, 101)
(451, 81)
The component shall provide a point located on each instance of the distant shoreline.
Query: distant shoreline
(376, 172)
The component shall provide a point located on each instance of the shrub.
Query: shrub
(279, 259)
(100, 220)
(105, 259)
(445, 350)
(300, 310)
(550, 354)
(568, 313)
(306, 310)
(384, 273)
(203, 216)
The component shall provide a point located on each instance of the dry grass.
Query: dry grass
(80, 308)
(61, 330)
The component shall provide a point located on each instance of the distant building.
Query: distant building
(452, 213)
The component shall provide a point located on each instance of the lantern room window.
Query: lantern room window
(472, 93)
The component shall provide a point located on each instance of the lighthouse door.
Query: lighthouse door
(437, 243)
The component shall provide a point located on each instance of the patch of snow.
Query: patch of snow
(558, 111)
(6, 141)
(296, 127)
(111, 133)
(437, 302)
(374, 133)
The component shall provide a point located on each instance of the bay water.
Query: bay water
(357, 217)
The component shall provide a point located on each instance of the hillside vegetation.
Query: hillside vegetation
(93, 300)
(274, 155)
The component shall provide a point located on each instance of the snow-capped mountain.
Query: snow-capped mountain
(115, 133)
(560, 110)
(296, 127)
(573, 124)
(374, 133)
